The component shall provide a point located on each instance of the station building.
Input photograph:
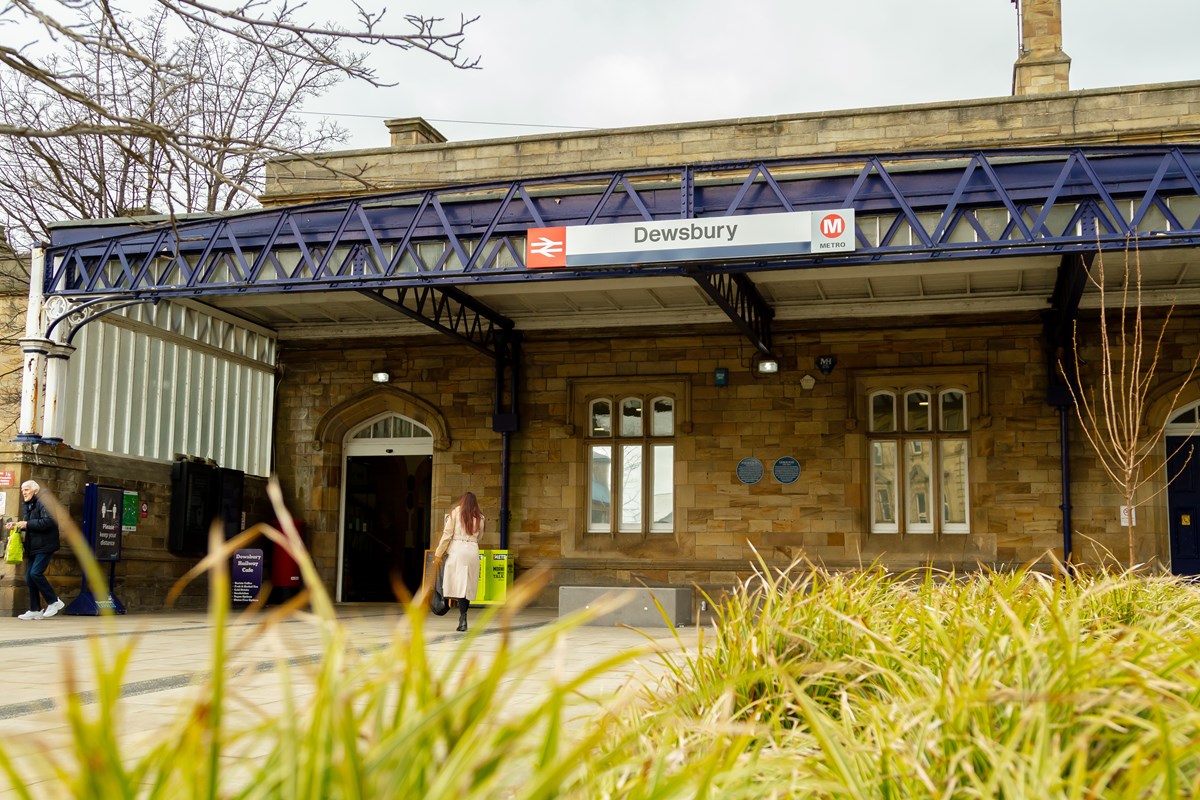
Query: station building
(607, 338)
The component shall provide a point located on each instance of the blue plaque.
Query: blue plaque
(787, 470)
(750, 470)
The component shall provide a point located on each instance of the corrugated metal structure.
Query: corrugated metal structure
(156, 381)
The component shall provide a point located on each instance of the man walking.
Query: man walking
(41, 540)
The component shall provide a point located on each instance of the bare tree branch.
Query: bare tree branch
(103, 114)
(313, 54)
(425, 34)
(1112, 411)
(123, 116)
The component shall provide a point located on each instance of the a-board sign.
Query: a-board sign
(102, 520)
(247, 575)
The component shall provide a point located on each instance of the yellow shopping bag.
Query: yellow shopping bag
(14, 553)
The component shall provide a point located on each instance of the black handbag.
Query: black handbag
(438, 603)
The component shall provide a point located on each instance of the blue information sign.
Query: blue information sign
(786, 470)
(750, 470)
(102, 520)
(102, 507)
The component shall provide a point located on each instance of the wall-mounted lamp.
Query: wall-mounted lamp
(381, 377)
(721, 377)
(768, 366)
(808, 382)
(825, 364)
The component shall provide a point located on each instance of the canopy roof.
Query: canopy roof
(935, 232)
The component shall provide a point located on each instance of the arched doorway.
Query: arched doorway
(387, 490)
(1183, 494)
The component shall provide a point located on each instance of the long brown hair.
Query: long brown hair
(468, 511)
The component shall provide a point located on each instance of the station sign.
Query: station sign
(747, 236)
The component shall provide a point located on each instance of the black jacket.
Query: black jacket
(41, 531)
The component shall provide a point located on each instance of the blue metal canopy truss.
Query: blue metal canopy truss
(415, 251)
(450, 311)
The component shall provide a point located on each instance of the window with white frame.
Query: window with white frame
(918, 440)
(631, 464)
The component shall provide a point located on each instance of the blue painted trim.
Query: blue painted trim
(921, 202)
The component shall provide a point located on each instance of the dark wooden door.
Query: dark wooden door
(1183, 501)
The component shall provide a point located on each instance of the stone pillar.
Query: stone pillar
(1042, 66)
(57, 362)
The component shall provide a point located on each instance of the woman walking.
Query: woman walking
(460, 538)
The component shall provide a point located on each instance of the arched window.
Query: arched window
(1185, 421)
(391, 426)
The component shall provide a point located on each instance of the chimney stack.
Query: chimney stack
(1042, 66)
(410, 131)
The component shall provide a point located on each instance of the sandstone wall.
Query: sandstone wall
(1152, 113)
(721, 523)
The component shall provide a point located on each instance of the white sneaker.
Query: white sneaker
(30, 615)
(53, 608)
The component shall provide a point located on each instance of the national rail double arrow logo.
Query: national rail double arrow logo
(546, 247)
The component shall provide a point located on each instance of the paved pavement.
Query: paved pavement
(171, 654)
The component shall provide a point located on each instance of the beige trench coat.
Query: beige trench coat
(461, 567)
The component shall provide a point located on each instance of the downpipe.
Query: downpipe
(1064, 430)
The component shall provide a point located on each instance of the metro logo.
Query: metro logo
(833, 225)
(546, 248)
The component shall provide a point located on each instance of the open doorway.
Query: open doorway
(387, 493)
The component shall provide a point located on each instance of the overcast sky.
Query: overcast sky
(549, 65)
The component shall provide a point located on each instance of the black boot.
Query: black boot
(463, 605)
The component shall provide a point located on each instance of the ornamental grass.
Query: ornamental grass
(808, 684)
(868, 684)
(378, 722)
